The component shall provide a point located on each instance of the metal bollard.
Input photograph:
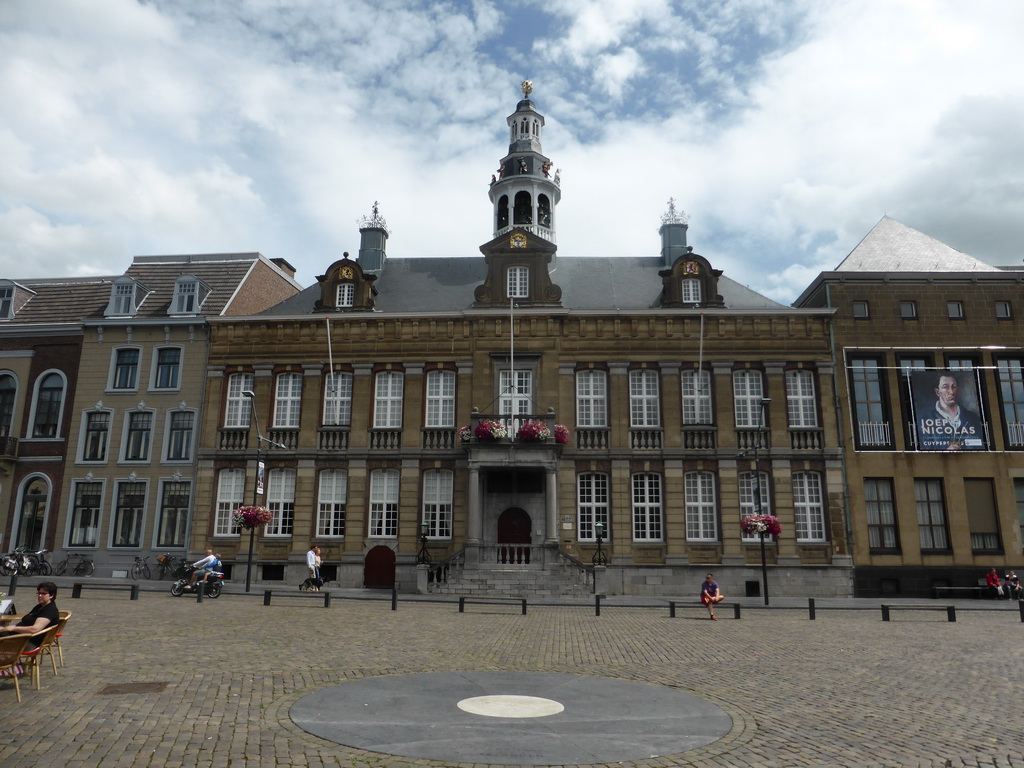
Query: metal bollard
(266, 597)
(14, 585)
(200, 588)
(394, 599)
(327, 599)
(135, 592)
(76, 591)
(810, 608)
(597, 605)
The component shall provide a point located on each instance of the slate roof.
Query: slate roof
(593, 283)
(894, 247)
(66, 300)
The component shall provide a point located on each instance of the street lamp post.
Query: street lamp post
(256, 486)
(765, 402)
(423, 558)
(599, 558)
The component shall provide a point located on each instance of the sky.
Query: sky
(784, 130)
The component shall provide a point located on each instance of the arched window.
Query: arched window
(32, 518)
(280, 502)
(502, 212)
(47, 407)
(438, 492)
(543, 211)
(523, 210)
(237, 410)
(384, 503)
(330, 519)
(592, 504)
(8, 397)
(230, 494)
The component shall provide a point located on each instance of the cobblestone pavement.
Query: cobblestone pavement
(844, 690)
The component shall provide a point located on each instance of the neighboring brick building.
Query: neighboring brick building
(931, 503)
(112, 476)
(660, 367)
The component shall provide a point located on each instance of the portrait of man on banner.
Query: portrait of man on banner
(946, 410)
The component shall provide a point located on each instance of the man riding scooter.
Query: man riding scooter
(206, 566)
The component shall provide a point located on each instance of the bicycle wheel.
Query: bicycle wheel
(160, 571)
(44, 568)
(7, 568)
(136, 570)
(90, 566)
(145, 571)
(61, 567)
(31, 565)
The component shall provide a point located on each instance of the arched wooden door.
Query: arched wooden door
(379, 568)
(514, 526)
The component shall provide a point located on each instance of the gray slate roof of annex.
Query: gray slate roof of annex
(65, 300)
(894, 247)
(447, 284)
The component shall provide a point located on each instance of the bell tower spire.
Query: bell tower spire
(525, 188)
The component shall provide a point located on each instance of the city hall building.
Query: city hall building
(500, 421)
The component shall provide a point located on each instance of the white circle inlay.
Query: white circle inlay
(510, 706)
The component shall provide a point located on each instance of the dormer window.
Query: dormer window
(691, 290)
(6, 302)
(125, 296)
(189, 294)
(346, 295)
(518, 282)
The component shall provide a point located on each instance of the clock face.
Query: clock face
(518, 240)
(346, 272)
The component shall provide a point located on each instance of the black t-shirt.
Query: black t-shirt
(40, 611)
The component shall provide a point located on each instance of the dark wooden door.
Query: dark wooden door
(514, 537)
(379, 568)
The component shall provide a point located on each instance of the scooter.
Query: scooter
(214, 583)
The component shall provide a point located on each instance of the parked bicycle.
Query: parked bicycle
(83, 567)
(140, 569)
(22, 562)
(169, 565)
(43, 567)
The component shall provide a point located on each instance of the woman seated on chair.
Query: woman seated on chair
(44, 615)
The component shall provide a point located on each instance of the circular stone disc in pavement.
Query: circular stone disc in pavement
(583, 720)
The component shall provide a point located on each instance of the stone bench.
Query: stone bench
(269, 593)
(698, 604)
(949, 609)
(78, 586)
(493, 600)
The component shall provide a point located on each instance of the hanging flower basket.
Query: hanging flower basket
(561, 434)
(250, 517)
(533, 431)
(755, 525)
(465, 433)
(488, 429)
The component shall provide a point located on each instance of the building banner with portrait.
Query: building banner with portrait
(947, 410)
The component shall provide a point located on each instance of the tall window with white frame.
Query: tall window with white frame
(591, 399)
(138, 435)
(129, 513)
(440, 399)
(592, 505)
(181, 426)
(931, 514)
(280, 502)
(384, 503)
(332, 501)
(168, 368)
(338, 399)
(748, 391)
(175, 500)
(644, 399)
(97, 434)
(516, 395)
(691, 290)
(126, 369)
(518, 286)
(237, 409)
(696, 397)
(85, 514)
(1018, 490)
(880, 509)
(230, 496)
(438, 497)
(701, 508)
(387, 402)
(982, 514)
(288, 401)
(647, 507)
(49, 400)
(748, 498)
(808, 507)
(801, 399)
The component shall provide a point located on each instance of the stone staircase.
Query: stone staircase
(557, 580)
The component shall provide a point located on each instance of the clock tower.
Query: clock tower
(524, 190)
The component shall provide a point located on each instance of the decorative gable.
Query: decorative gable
(690, 282)
(12, 298)
(518, 267)
(345, 288)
